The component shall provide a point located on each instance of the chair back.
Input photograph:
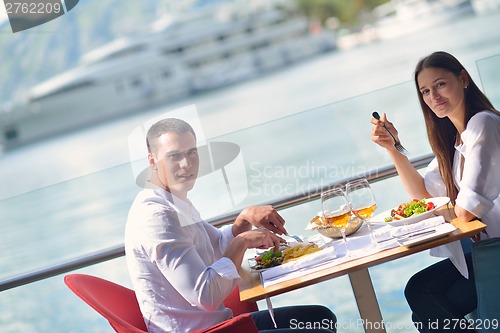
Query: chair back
(114, 302)
(485, 258)
(238, 307)
(119, 305)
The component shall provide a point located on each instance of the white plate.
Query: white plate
(252, 262)
(438, 202)
(441, 231)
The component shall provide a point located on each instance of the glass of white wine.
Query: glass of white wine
(362, 201)
(336, 211)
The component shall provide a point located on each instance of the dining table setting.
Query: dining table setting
(350, 238)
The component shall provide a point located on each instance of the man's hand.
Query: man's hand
(259, 217)
(258, 238)
(261, 239)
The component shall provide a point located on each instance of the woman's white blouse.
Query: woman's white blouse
(479, 186)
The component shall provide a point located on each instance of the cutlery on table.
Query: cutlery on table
(416, 234)
(297, 238)
(397, 144)
(409, 235)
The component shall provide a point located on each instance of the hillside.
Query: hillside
(33, 55)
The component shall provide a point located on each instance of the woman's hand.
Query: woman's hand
(380, 135)
(260, 217)
(464, 214)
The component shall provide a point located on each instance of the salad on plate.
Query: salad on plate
(410, 208)
(410, 211)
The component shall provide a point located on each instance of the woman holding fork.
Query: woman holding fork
(463, 129)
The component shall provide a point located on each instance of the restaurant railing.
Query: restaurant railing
(119, 251)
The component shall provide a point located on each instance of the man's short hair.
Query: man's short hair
(165, 126)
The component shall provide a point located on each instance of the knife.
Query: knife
(410, 235)
(416, 234)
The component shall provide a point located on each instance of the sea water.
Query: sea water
(69, 195)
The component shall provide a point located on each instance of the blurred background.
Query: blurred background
(291, 83)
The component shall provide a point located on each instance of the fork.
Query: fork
(297, 238)
(397, 144)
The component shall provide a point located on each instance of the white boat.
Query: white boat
(484, 7)
(201, 51)
(397, 18)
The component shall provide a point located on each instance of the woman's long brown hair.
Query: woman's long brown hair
(441, 131)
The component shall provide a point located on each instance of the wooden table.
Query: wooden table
(251, 288)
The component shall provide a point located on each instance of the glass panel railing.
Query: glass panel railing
(22, 312)
(260, 164)
(287, 156)
(293, 155)
(49, 306)
(55, 223)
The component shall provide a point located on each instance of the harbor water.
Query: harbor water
(69, 195)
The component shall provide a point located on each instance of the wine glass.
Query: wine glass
(362, 200)
(336, 211)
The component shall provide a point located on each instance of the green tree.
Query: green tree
(347, 11)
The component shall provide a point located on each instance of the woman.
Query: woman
(463, 128)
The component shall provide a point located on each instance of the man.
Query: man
(182, 268)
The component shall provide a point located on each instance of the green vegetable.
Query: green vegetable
(269, 258)
(270, 254)
(388, 219)
(415, 207)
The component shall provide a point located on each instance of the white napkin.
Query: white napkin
(455, 252)
(306, 261)
(452, 250)
(391, 232)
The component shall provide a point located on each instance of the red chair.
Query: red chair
(238, 307)
(119, 306)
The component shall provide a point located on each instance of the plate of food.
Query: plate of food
(318, 223)
(410, 212)
(272, 258)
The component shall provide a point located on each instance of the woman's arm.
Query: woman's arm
(412, 181)
(464, 214)
(480, 183)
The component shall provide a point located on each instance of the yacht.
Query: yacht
(204, 50)
(485, 7)
(397, 18)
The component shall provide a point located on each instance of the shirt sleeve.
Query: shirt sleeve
(227, 236)
(480, 184)
(220, 237)
(172, 250)
(433, 181)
